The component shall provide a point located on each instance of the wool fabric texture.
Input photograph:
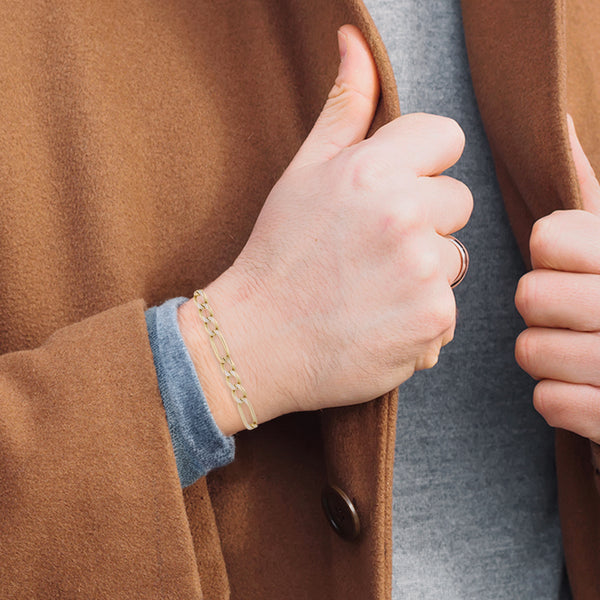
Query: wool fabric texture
(135, 141)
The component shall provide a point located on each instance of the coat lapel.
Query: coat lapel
(517, 55)
(358, 441)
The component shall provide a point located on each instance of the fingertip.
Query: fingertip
(342, 44)
(574, 140)
(459, 134)
(351, 103)
(357, 65)
(588, 183)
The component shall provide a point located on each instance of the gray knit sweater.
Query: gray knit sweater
(475, 511)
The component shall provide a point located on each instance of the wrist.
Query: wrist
(241, 318)
(208, 371)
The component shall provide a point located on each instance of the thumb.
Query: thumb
(348, 112)
(588, 183)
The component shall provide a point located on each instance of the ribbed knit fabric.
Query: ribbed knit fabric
(198, 443)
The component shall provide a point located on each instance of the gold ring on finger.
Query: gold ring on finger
(464, 260)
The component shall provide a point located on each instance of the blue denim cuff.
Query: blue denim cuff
(198, 443)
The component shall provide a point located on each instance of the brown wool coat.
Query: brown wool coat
(137, 142)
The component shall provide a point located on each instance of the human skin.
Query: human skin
(560, 303)
(343, 289)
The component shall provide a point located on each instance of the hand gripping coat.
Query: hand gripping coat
(138, 141)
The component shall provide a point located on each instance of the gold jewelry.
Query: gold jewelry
(464, 260)
(221, 350)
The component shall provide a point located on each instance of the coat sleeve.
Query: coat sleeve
(90, 501)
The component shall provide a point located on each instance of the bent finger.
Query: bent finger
(449, 201)
(556, 299)
(574, 407)
(427, 144)
(566, 240)
(559, 354)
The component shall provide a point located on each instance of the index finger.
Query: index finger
(427, 144)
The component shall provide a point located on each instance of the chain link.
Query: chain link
(221, 351)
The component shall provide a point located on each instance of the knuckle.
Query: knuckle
(416, 119)
(453, 131)
(344, 99)
(396, 223)
(428, 359)
(466, 196)
(448, 336)
(410, 215)
(447, 126)
(542, 238)
(361, 173)
(446, 316)
(343, 91)
(540, 399)
(525, 350)
(543, 402)
(442, 316)
(424, 265)
(525, 296)
(462, 193)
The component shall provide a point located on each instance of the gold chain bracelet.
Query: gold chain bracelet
(221, 350)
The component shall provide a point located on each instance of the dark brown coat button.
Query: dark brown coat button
(340, 512)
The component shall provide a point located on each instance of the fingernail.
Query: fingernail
(573, 133)
(571, 124)
(342, 44)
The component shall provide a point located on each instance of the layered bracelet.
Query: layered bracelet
(221, 351)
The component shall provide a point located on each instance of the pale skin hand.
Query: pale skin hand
(560, 303)
(343, 289)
